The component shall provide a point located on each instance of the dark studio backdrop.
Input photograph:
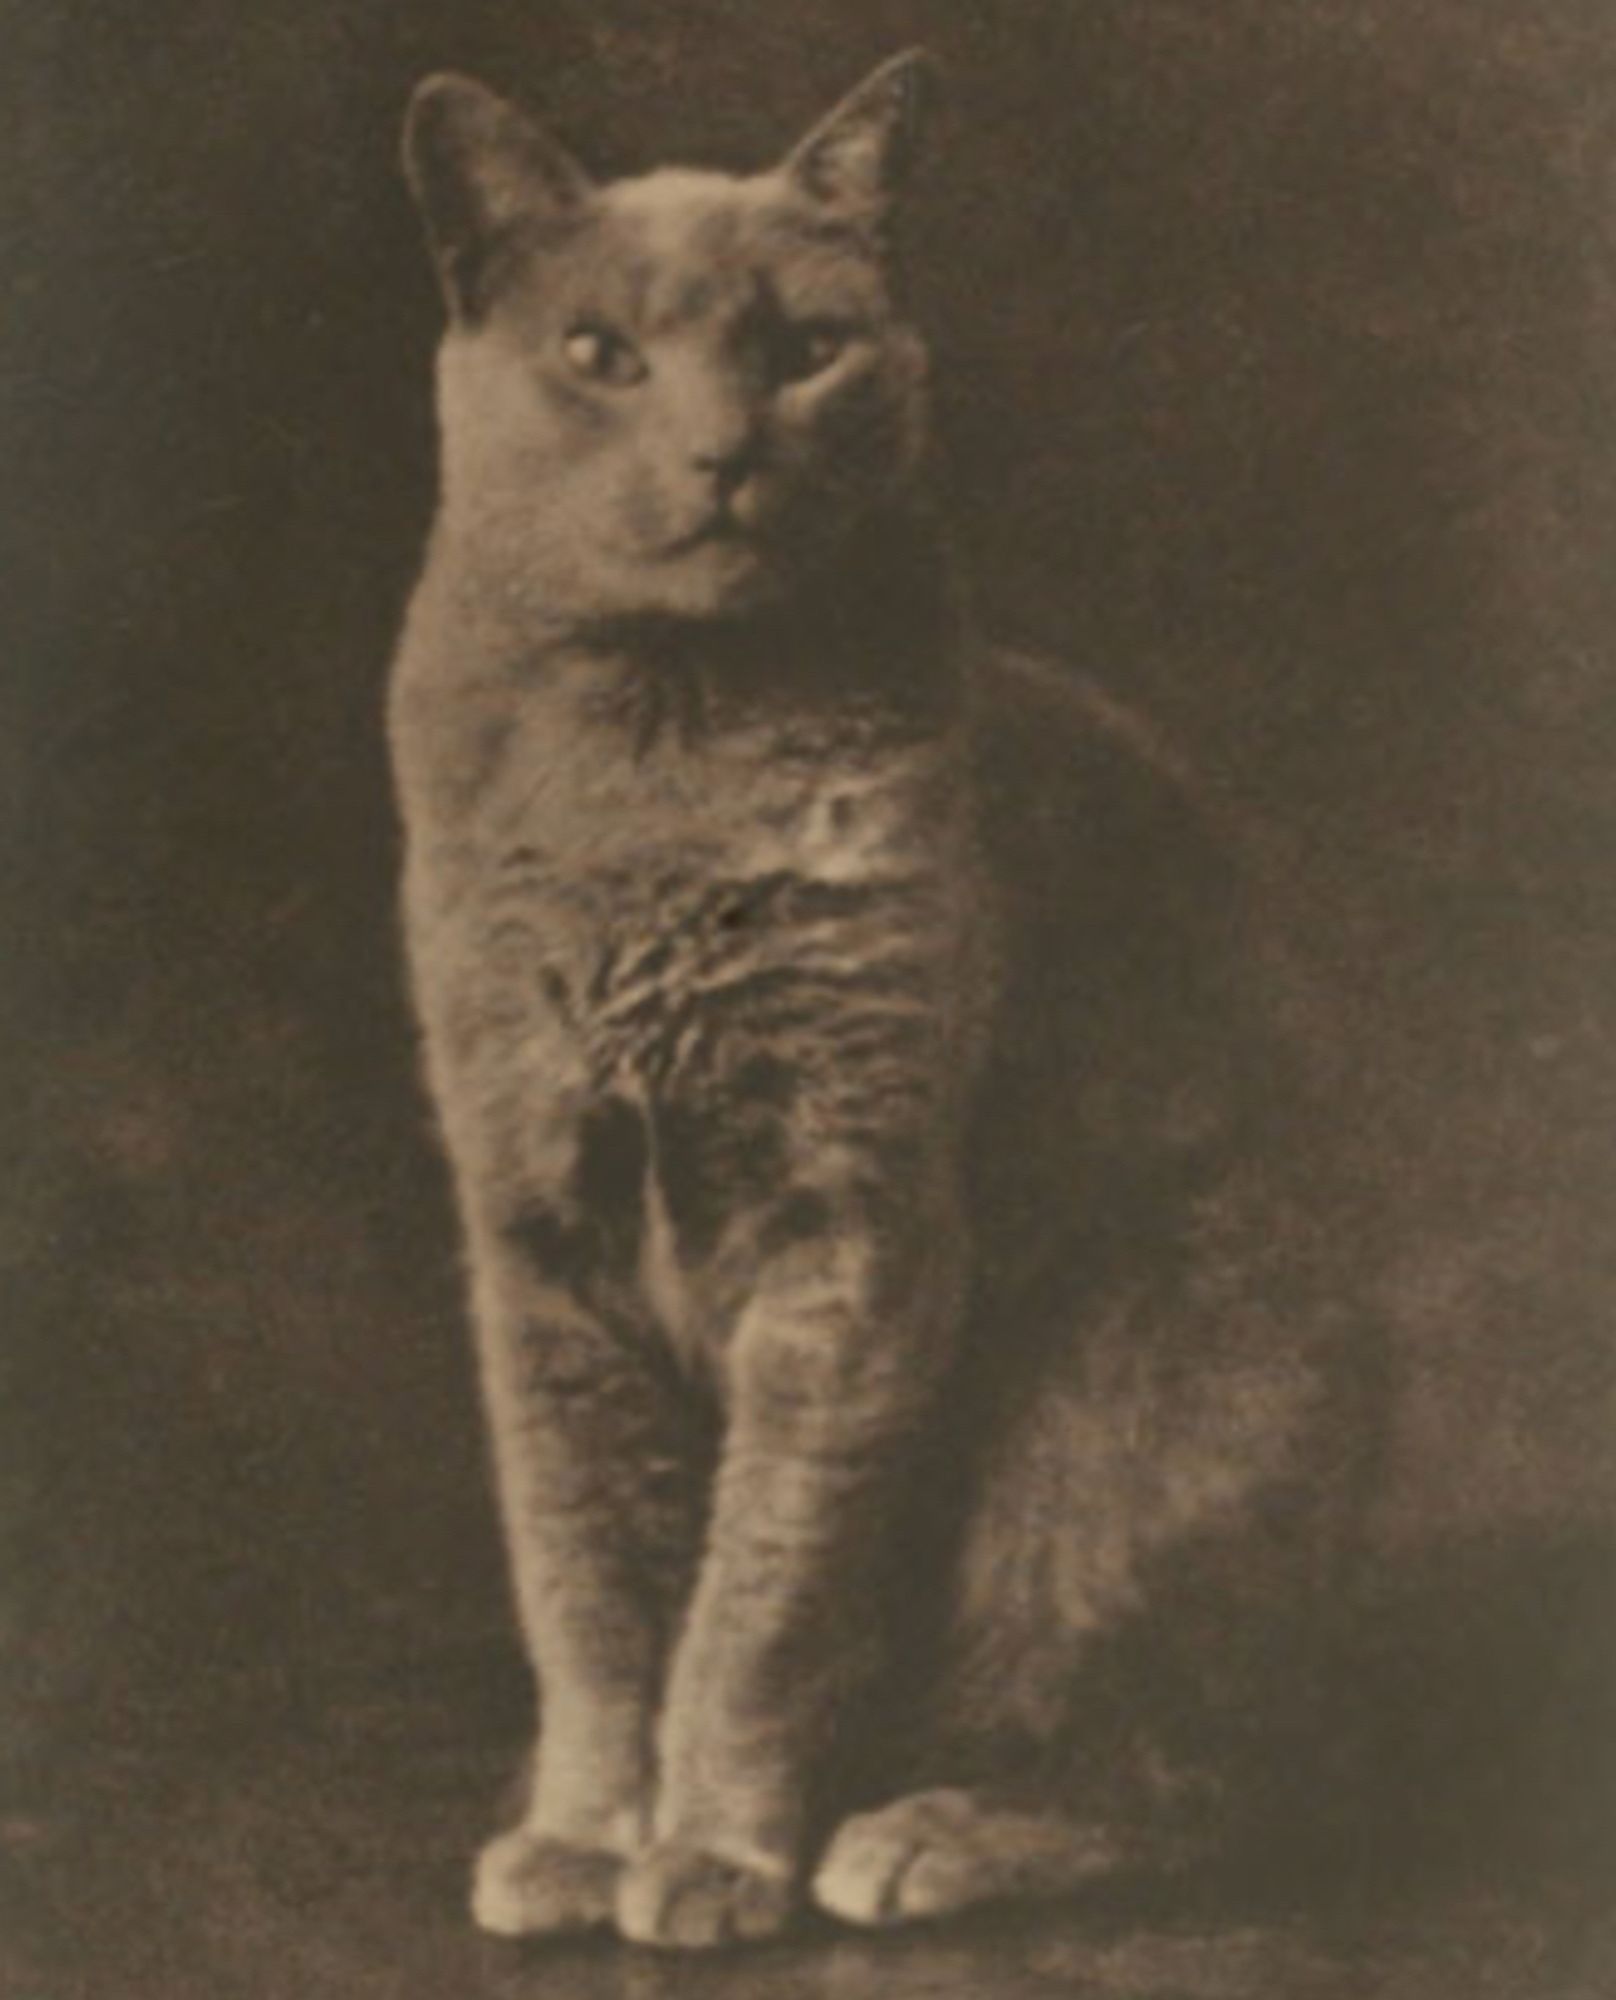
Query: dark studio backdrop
(1277, 351)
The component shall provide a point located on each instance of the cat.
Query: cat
(913, 1315)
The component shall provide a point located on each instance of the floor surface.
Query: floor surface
(302, 1874)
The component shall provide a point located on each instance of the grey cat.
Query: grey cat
(908, 1305)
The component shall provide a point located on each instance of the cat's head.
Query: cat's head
(675, 394)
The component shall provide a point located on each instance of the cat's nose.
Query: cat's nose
(727, 461)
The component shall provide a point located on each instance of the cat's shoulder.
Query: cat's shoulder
(1054, 749)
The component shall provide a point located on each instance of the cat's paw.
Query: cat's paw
(938, 1852)
(531, 1885)
(681, 1895)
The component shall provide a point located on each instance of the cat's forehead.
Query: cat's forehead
(685, 244)
(685, 211)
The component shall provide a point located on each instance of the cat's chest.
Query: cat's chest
(624, 893)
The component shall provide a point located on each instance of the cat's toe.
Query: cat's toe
(682, 1896)
(529, 1885)
(940, 1880)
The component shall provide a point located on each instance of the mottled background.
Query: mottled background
(1278, 350)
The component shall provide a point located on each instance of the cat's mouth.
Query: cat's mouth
(719, 528)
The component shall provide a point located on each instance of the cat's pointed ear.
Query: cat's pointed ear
(855, 160)
(477, 166)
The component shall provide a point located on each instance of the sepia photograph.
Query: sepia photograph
(808, 1000)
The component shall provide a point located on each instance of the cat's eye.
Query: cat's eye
(809, 347)
(601, 354)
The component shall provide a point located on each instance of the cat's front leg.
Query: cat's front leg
(597, 1492)
(831, 1370)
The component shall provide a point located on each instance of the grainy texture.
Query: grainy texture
(1277, 360)
(319, 1877)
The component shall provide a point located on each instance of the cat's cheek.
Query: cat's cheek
(865, 430)
(640, 512)
(610, 514)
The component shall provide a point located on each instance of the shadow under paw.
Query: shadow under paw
(682, 1896)
(531, 1885)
